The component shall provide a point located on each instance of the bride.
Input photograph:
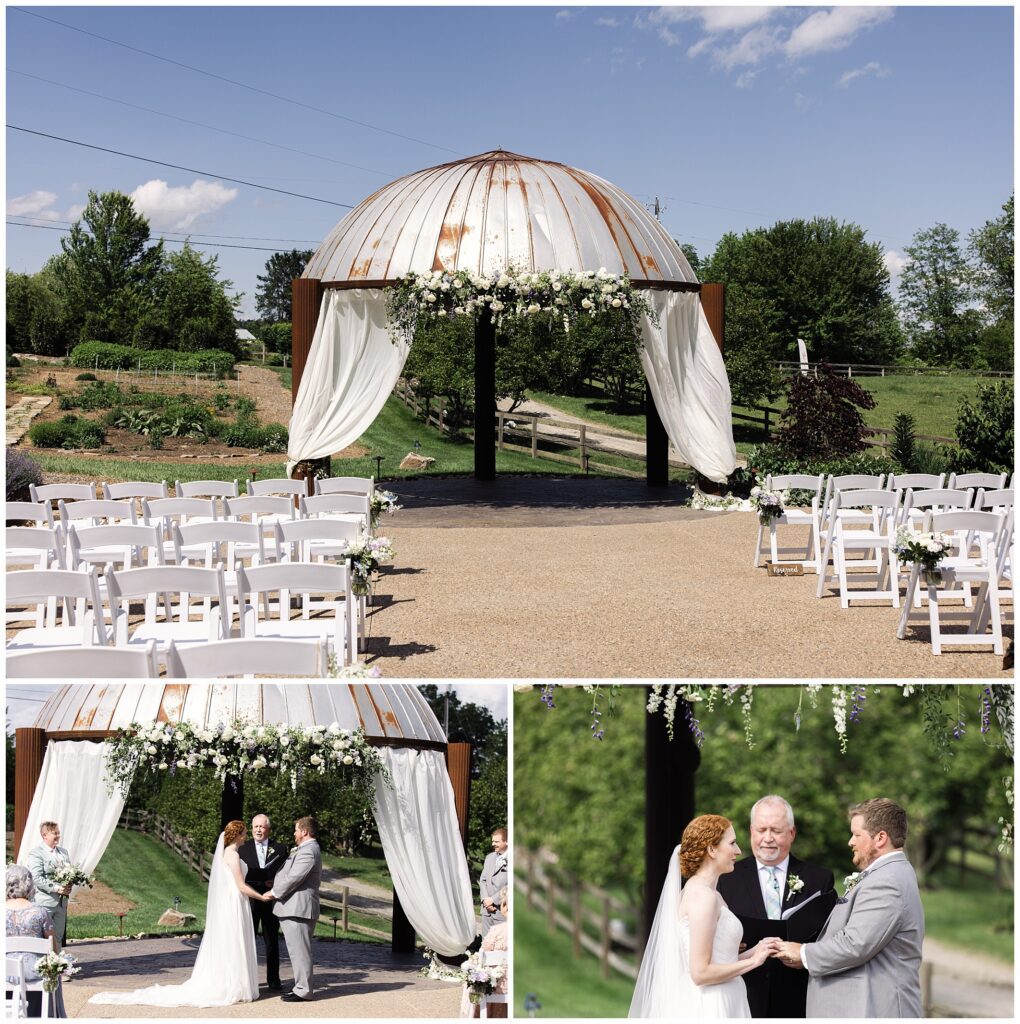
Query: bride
(226, 969)
(692, 964)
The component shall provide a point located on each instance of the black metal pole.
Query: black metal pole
(485, 397)
(670, 765)
(402, 934)
(656, 444)
(232, 800)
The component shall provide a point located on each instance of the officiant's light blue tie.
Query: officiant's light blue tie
(262, 854)
(773, 901)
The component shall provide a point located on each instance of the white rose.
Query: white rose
(557, 287)
(496, 305)
(315, 759)
(182, 764)
(348, 759)
(534, 308)
(445, 286)
(150, 749)
(430, 297)
(503, 281)
(617, 303)
(587, 303)
(227, 734)
(284, 741)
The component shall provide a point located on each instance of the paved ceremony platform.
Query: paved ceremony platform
(353, 979)
(574, 577)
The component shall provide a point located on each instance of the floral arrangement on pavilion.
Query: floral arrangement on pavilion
(240, 748)
(366, 555)
(417, 299)
(924, 549)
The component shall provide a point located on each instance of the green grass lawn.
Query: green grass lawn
(974, 916)
(565, 986)
(370, 870)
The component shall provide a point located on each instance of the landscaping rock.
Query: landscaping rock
(174, 918)
(413, 461)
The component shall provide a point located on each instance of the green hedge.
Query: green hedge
(68, 432)
(764, 459)
(126, 357)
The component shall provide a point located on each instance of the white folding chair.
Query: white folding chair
(38, 512)
(62, 492)
(122, 545)
(165, 512)
(166, 619)
(348, 507)
(35, 547)
(40, 947)
(965, 566)
(85, 663)
(846, 534)
(999, 499)
(135, 489)
(63, 607)
(345, 485)
(221, 489)
(916, 504)
(809, 517)
(278, 485)
(265, 509)
(916, 481)
(493, 958)
(848, 482)
(290, 579)
(248, 657)
(16, 992)
(990, 481)
(96, 512)
(320, 540)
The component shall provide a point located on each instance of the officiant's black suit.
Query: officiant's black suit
(261, 880)
(773, 990)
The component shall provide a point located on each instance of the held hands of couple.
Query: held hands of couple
(789, 954)
(767, 947)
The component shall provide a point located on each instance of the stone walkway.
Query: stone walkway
(352, 979)
(968, 984)
(21, 414)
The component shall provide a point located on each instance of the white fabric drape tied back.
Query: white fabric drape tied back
(72, 792)
(352, 366)
(420, 834)
(688, 381)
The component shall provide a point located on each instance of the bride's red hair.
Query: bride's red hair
(232, 831)
(703, 832)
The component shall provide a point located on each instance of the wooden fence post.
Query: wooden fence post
(550, 907)
(575, 900)
(345, 908)
(534, 437)
(605, 938)
(502, 427)
(584, 444)
(529, 897)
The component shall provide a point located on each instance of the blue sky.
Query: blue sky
(895, 118)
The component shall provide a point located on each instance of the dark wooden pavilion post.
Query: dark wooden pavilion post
(713, 302)
(29, 751)
(232, 800)
(306, 300)
(669, 802)
(656, 444)
(485, 397)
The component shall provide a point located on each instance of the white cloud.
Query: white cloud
(178, 208)
(802, 102)
(895, 263)
(746, 80)
(33, 204)
(490, 695)
(871, 68)
(833, 29)
(562, 16)
(74, 212)
(608, 22)
(750, 48)
(713, 20)
(668, 36)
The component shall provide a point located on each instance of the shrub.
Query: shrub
(86, 376)
(245, 407)
(904, 444)
(21, 471)
(822, 418)
(221, 399)
(773, 458)
(95, 395)
(985, 432)
(127, 357)
(12, 359)
(68, 432)
(270, 438)
(139, 421)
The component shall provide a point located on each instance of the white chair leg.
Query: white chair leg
(901, 631)
(839, 557)
(757, 546)
(773, 541)
(823, 566)
(933, 619)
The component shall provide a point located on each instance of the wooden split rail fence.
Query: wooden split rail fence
(598, 922)
(336, 905)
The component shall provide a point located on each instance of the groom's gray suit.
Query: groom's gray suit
(867, 960)
(39, 861)
(296, 888)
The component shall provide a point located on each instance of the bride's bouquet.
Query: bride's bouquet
(925, 549)
(54, 966)
(64, 873)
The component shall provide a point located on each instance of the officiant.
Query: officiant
(264, 858)
(763, 888)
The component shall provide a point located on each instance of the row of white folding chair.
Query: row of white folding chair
(38, 512)
(39, 947)
(244, 656)
(982, 567)
(346, 485)
(85, 663)
(34, 547)
(55, 608)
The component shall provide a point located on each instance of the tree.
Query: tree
(822, 418)
(109, 269)
(819, 280)
(991, 247)
(273, 295)
(750, 329)
(36, 320)
(692, 256)
(935, 297)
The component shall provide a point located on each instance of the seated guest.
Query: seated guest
(28, 920)
(496, 940)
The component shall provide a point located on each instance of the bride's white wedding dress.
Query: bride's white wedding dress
(226, 968)
(664, 986)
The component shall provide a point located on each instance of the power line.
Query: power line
(201, 124)
(183, 234)
(178, 167)
(242, 85)
(169, 241)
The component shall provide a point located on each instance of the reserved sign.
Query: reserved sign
(792, 569)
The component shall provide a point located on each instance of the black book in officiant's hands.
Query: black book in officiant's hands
(801, 923)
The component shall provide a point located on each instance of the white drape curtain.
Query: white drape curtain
(352, 367)
(72, 792)
(687, 377)
(417, 822)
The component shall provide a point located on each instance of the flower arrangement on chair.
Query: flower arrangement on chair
(768, 504)
(924, 549)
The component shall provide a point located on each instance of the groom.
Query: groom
(41, 860)
(867, 959)
(762, 887)
(296, 890)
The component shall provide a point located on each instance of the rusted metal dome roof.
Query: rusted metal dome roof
(494, 210)
(393, 711)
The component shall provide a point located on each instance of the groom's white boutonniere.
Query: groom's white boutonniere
(850, 881)
(794, 884)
